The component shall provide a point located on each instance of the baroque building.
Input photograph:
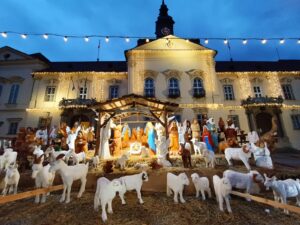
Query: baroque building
(167, 68)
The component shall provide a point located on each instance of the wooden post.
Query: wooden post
(166, 124)
(28, 194)
(98, 142)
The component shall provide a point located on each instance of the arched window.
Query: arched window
(174, 90)
(149, 88)
(198, 89)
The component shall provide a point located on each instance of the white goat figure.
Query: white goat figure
(50, 151)
(68, 175)
(199, 146)
(243, 181)
(121, 162)
(133, 182)
(43, 178)
(9, 157)
(209, 158)
(283, 189)
(222, 188)
(243, 154)
(76, 157)
(105, 192)
(176, 184)
(201, 185)
(96, 161)
(11, 179)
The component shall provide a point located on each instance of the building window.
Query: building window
(174, 91)
(257, 91)
(13, 127)
(113, 91)
(228, 92)
(288, 92)
(149, 89)
(83, 93)
(235, 120)
(50, 94)
(13, 94)
(200, 118)
(178, 118)
(198, 89)
(296, 121)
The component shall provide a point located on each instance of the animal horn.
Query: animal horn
(60, 156)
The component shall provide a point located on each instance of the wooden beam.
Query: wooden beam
(268, 202)
(106, 121)
(158, 119)
(28, 194)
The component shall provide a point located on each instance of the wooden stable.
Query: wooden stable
(130, 105)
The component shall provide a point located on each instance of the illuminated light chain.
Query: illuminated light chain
(244, 40)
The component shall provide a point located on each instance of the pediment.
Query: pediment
(11, 54)
(195, 73)
(171, 42)
(172, 73)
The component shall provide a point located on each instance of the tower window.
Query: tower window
(50, 94)
(228, 92)
(113, 91)
(288, 92)
(83, 93)
(257, 91)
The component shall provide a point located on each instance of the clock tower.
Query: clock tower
(164, 23)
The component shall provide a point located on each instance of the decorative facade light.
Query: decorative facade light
(4, 34)
(86, 39)
(127, 39)
(147, 40)
(264, 41)
(245, 41)
(206, 41)
(45, 36)
(281, 41)
(106, 39)
(225, 41)
(65, 38)
(24, 36)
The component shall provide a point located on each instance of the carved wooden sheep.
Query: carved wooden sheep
(209, 158)
(96, 161)
(70, 174)
(121, 162)
(243, 181)
(9, 157)
(133, 182)
(176, 184)
(199, 146)
(243, 154)
(283, 189)
(201, 185)
(43, 178)
(105, 193)
(222, 188)
(11, 179)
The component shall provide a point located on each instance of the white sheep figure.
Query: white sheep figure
(243, 154)
(243, 181)
(43, 178)
(96, 161)
(222, 188)
(121, 162)
(77, 157)
(105, 193)
(201, 185)
(68, 175)
(11, 179)
(176, 184)
(199, 146)
(209, 158)
(283, 189)
(133, 182)
(8, 157)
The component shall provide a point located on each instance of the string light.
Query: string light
(45, 36)
(298, 41)
(264, 41)
(65, 38)
(281, 41)
(225, 41)
(206, 41)
(106, 39)
(147, 40)
(187, 40)
(4, 34)
(245, 41)
(86, 39)
(127, 39)
(24, 36)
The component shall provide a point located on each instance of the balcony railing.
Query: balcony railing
(76, 103)
(262, 101)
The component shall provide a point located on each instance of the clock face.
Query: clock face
(165, 31)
